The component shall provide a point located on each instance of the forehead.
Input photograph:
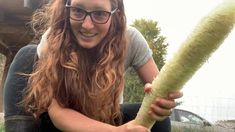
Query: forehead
(92, 4)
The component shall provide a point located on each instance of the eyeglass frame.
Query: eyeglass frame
(89, 13)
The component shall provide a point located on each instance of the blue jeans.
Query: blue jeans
(129, 112)
(17, 120)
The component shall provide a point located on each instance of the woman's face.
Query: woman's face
(87, 32)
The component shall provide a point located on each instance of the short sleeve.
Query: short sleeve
(138, 49)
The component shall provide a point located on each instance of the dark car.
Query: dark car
(186, 121)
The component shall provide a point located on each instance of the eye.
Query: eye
(100, 14)
(78, 12)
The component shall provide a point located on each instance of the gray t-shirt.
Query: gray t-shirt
(138, 49)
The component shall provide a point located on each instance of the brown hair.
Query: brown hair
(87, 80)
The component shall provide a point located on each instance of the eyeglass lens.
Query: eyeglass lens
(96, 16)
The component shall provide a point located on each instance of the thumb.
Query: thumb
(147, 88)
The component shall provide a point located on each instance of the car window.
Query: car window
(188, 117)
(172, 116)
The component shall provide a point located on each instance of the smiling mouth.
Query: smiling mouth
(88, 35)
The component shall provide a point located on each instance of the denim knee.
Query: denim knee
(20, 123)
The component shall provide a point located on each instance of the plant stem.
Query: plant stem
(198, 47)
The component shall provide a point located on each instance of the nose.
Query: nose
(87, 23)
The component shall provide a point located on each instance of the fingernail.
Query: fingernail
(148, 85)
(171, 96)
(157, 100)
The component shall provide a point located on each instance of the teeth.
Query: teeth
(88, 34)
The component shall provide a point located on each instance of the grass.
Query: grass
(1, 127)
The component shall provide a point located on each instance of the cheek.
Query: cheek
(74, 26)
(106, 27)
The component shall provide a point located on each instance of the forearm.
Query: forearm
(148, 71)
(69, 120)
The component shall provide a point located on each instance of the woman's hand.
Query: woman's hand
(162, 107)
(131, 127)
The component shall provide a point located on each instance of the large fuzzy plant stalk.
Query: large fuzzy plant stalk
(198, 47)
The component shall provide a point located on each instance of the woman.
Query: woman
(78, 80)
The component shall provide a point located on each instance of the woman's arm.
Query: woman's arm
(148, 71)
(69, 120)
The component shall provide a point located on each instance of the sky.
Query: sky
(211, 91)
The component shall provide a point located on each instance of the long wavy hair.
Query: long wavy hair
(89, 81)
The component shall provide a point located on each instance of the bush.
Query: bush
(134, 88)
(2, 127)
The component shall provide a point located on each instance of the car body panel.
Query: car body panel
(186, 121)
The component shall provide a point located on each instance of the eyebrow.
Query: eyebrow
(93, 8)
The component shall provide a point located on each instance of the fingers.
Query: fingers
(164, 103)
(160, 111)
(171, 96)
(175, 95)
(161, 108)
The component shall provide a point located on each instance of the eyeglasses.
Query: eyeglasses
(98, 17)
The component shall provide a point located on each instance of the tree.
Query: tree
(150, 30)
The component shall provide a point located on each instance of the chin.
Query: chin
(87, 46)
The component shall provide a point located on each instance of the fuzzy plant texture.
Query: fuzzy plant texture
(208, 35)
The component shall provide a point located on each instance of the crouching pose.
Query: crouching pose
(74, 78)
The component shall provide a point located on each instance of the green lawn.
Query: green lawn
(1, 127)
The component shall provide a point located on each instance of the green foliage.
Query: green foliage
(151, 32)
(2, 127)
(134, 91)
(134, 88)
